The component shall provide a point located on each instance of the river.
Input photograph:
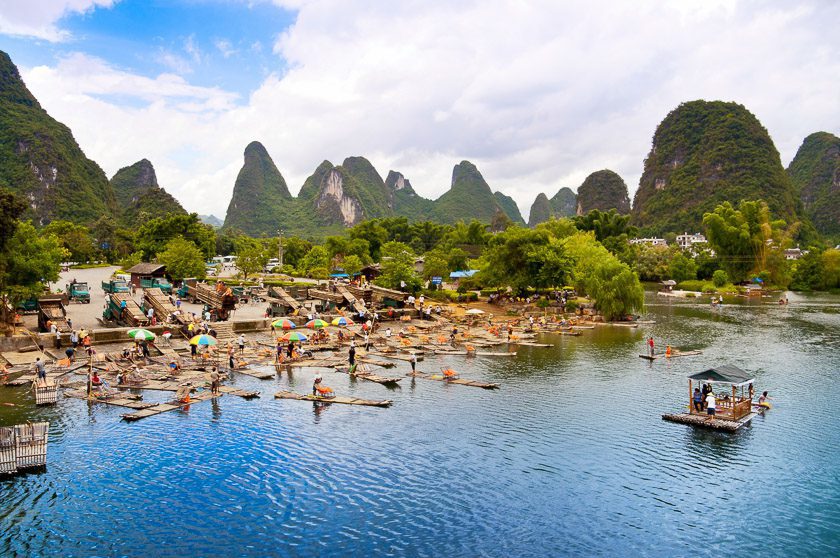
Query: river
(569, 458)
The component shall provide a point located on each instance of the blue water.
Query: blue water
(569, 458)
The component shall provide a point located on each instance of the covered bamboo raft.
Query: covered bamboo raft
(336, 399)
(459, 381)
(707, 421)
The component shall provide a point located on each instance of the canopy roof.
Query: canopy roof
(725, 373)
(144, 268)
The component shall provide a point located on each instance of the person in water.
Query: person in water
(763, 399)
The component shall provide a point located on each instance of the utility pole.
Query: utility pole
(280, 249)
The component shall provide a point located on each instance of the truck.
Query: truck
(78, 291)
(156, 283)
(115, 286)
(164, 309)
(51, 311)
(220, 299)
(121, 308)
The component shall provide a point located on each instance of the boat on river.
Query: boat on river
(732, 410)
(364, 373)
(674, 354)
(451, 380)
(335, 399)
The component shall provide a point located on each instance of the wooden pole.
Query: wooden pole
(733, 402)
(690, 398)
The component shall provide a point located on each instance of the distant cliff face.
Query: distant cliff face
(602, 190)
(815, 173)
(139, 198)
(564, 203)
(260, 195)
(353, 192)
(509, 208)
(469, 197)
(41, 161)
(705, 153)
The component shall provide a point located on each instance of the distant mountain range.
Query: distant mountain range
(703, 153)
(335, 197)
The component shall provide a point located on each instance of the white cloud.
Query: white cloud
(38, 18)
(538, 95)
(225, 47)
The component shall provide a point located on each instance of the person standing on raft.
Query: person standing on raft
(413, 362)
(650, 345)
(315, 383)
(352, 357)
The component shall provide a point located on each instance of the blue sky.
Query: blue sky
(211, 42)
(537, 94)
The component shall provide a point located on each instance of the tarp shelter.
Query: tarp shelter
(339, 275)
(463, 274)
(724, 374)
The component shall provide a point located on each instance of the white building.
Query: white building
(651, 241)
(794, 253)
(689, 241)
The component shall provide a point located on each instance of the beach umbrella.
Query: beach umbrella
(474, 311)
(283, 323)
(203, 340)
(140, 334)
(293, 336)
(316, 324)
(342, 321)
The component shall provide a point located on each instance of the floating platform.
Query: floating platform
(675, 354)
(707, 421)
(459, 381)
(366, 375)
(23, 446)
(164, 407)
(478, 353)
(46, 392)
(568, 332)
(530, 344)
(336, 399)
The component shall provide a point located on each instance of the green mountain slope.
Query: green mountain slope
(541, 211)
(260, 198)
(139, 197)
(815, 173)
(602, 190)
(509, 207)
(704, 153)
(211, 220)
(469, 197)
(41, 160)
(564, 203)
(352, 192)
(407, 203)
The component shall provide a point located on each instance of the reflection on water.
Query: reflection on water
(569, 457)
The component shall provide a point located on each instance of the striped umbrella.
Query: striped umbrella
(342, 321)
(293, 336)
(203, 340)
(139, 334)
(316, 324)
(283, 323)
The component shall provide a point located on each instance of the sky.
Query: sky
(537, 94)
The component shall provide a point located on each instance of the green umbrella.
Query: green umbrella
(203, 340)
(316, 324)
(294, 336)
(283, 323)
(140, 334)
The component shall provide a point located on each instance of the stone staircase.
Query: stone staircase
(224, 331)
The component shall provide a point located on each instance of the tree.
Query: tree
(352, 265)
(76, 239)
(374, 233)
(739, 236)
(651, 262)
(435, 264)
(398, 266)
(28, 262)
(154, 235)
(523, 258)
(316, 259)
(830, 269)
(613, 286)
(682, 268)
(10, 207)
(294, 249)
(251, 256)
(182, 258)
(720, 278)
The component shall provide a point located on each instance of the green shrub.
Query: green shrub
(720, 278)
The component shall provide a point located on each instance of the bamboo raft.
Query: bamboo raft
(568, 332)
(336, 399)
(675, 354)
(159, 408)
(530, 344)
(477, 353)
(459, 381)
(709, 422)
(23, 446)
(369, 376)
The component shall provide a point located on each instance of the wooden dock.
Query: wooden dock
(46, 392)
(707, 421)
(336, 399)
(23, 446)
(459, 381)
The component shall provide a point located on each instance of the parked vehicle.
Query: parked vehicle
(156, 283)
(115, 286)
(78, 291)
